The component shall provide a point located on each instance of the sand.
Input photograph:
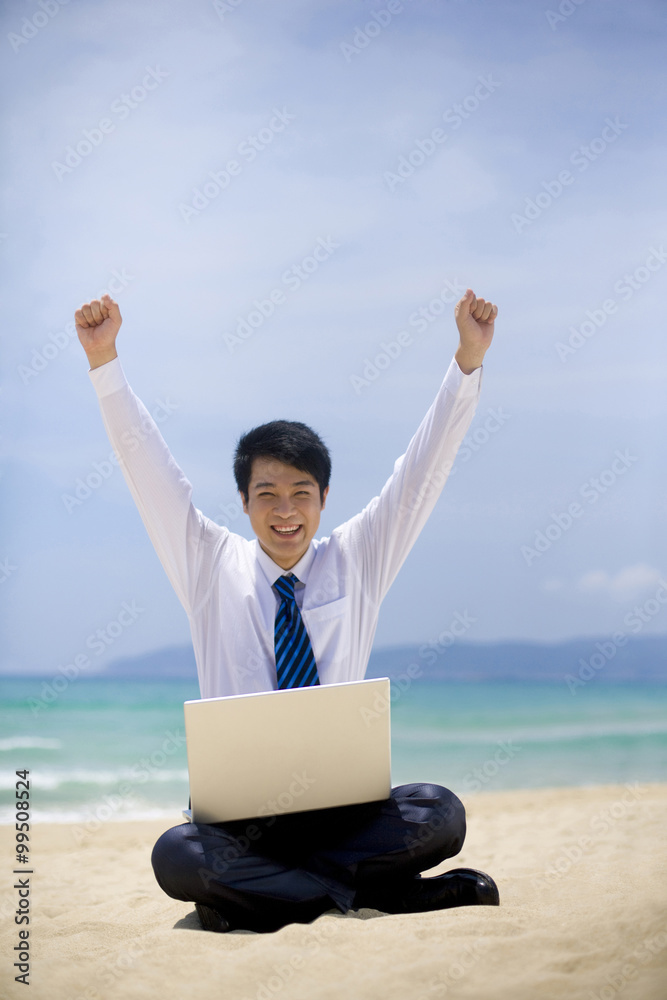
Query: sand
(583, 882)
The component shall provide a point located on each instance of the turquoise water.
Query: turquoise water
(116, 749)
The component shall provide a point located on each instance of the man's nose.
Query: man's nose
(284, 506)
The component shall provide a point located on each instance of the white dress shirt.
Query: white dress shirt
(224, 581)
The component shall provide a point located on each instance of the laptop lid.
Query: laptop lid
(277, 752)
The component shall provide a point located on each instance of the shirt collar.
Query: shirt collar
(272, 570)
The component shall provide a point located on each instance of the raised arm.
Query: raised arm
(161, 491)
(385, 531)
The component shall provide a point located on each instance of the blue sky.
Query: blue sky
(518, 148)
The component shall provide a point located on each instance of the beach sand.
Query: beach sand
(582, 875)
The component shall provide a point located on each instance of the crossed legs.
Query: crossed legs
(265, 873)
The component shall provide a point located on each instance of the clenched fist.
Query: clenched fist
(97, 326)
(475, 320)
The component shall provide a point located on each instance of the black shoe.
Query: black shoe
(211, 920)
(459, 887)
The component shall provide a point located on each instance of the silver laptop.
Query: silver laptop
(278, 752)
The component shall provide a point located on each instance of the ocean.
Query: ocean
(103, 749)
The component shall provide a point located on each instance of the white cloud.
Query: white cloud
(626, 585)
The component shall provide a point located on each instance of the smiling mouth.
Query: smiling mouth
(286, 531)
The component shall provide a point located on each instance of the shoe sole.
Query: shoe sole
(211, 920)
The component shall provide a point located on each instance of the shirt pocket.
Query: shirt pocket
(326, 611)
(329, 631)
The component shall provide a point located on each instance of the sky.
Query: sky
(275, 194)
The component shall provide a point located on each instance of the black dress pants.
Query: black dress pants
(268, 872)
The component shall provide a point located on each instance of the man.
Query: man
(287, 610)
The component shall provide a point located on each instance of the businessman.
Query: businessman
(288, 610)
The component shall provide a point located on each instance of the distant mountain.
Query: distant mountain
(170, 663)
(640, 658)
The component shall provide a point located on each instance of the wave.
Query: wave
(74, 815)
(43, 780)
(565, 733)
(30, 743)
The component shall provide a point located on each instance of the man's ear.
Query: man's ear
(244, 501)
(324, 498)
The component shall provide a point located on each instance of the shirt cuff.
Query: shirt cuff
(461, 385)
(108, 378)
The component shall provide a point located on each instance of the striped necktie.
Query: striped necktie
(295, 660)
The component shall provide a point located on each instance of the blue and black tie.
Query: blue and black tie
(295, 660)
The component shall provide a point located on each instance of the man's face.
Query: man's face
(284, 508)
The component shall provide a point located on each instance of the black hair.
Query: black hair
(289, 442)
